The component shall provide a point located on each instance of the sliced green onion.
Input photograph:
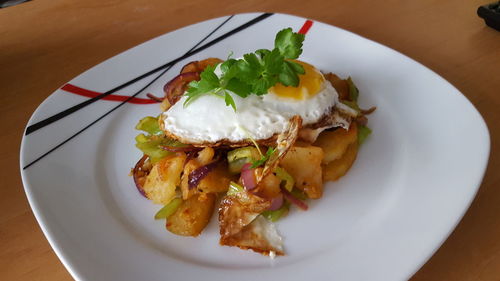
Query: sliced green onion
(234, 188)
(243, 152)
(363, 133)
(285, 177)
(352, 104)
(278, 214)
(152, 143)
(238, 157)
(141, 138)
(168, 209)
(353, 90)
(236, 165)
(149, 125)
(152, 149)
(299, 194)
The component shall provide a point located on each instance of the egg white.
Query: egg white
(208, 119)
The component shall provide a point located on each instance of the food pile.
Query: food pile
(249, 138)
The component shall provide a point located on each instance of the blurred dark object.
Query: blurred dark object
(8, 3)
(491, 14)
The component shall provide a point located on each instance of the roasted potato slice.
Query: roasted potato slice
(164, 177)
(337, 168)
(304, 165)
(204, 157)
(335, 143)
(217, 180)
(192, 216)
(269, 187)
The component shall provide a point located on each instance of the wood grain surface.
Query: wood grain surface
(44, 43)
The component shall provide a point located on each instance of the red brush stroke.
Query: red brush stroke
(305, 28)
(91, 94)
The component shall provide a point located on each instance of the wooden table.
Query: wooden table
(44, 43)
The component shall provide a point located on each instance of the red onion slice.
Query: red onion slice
(248, 177)
(200, 173)
(276, 203)
(199, 66)
(292, 199)
(190, 67)
(176, 87)
(139, 173)
(153, 97)
(369, 110)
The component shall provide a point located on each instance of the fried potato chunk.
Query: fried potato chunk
(192, 216)
(217, 180)
(270, 186)
(337, 168)
(335, 143)
(204, 157)
(304, 165)
(164, 177)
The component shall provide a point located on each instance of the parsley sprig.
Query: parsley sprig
(255, 73)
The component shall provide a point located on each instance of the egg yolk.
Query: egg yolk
(309, 85)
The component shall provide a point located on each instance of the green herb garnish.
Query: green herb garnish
(263, 158)
(353, 90)
(255, 73)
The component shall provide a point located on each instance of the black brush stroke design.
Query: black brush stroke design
(32, 128)
(167, 66)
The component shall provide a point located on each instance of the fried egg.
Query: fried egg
(208, 121)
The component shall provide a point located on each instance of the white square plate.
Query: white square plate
(412, 182)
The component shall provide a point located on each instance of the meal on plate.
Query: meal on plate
(249, 137)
